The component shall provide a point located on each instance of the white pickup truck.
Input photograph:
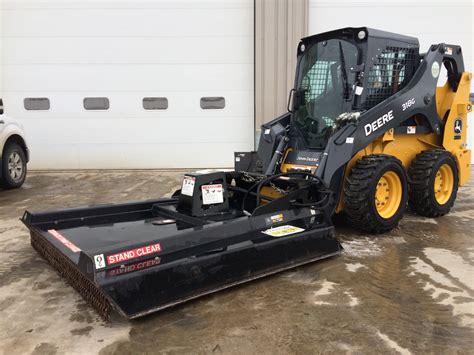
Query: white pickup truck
(14, 152)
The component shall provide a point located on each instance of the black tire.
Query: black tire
(13, 153)
(421, 176)
(360, 191)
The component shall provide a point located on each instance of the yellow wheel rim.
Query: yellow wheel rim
(388, 194)
(443, 184)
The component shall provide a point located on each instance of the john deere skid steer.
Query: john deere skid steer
(367, 133)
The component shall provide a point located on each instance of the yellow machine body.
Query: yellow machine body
(450, 105)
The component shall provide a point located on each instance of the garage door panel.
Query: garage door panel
(133, 156)
(48, 132)
(128, 77)
(184, 130)
(54, 157)
(141, 130)
(125, 51)
(67, 105)
(152, 50)
(144, 21)
(151, 155)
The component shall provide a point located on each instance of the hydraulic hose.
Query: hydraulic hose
(277, 155)
(311, 176)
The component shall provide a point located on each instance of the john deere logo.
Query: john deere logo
(457, 128)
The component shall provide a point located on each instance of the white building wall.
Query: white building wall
(67, 50)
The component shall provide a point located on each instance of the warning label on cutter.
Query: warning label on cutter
(99, 261)
(63, 240)
(134, 253)
(212, 194)
(188, 185)
(282, 231)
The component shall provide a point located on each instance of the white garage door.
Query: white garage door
(430, 21)
(76, 74)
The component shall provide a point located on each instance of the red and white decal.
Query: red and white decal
(134, 267)
(132, 254)
(188, 185)
(63, 240)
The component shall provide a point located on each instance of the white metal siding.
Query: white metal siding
(430, 21)
(279, 27)
(182, 50)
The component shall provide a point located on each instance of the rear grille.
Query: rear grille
(393, 69)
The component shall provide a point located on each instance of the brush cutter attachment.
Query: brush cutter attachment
(350, 124)
(218, 231)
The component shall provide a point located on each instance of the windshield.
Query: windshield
(324, 88)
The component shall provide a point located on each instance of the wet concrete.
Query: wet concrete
(409, 291)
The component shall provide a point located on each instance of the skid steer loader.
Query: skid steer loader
(367, 132)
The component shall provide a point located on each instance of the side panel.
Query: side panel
(456, 125)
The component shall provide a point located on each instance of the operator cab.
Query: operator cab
(343, 73)
(340, 74)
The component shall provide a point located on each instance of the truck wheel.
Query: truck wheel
(433, 183)
(13, 166)
(375, 193)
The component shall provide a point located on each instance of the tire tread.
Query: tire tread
(419, 174)
(357, 193)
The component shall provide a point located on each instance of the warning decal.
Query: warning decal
(277, 218)
(132, 254)
(458, 128)
(282, 231)
(212, 194)
(188, 185)
(134, 267)
(99, 261)
(63, 240)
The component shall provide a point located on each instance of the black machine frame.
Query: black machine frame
(195, 255)
(279, 134)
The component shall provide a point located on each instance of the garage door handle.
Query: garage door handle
(2, 122)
